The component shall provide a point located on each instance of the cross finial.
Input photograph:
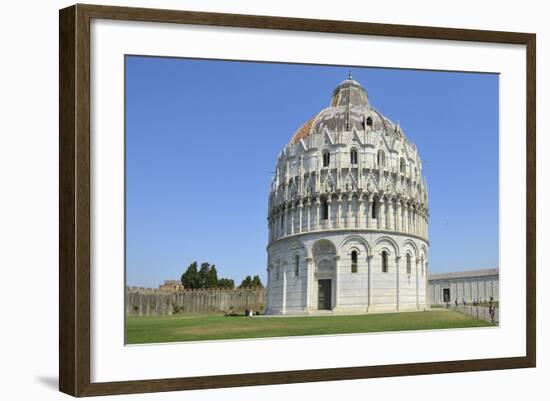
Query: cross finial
(349, 75)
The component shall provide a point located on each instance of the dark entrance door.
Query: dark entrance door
(325, 295)
(446, 295)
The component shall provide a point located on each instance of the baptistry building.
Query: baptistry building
(348, 214)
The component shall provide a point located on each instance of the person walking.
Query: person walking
(492, 312)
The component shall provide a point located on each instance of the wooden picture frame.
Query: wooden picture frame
(74, 199)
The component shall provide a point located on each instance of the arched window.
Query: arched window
(325, 209)
(326, 158)
(297, 266)
(354, 261)
(402, 165)
(384, 262)
(369, 122)
(409, 264)
(353, 157)
(374, 207)
(381, 158)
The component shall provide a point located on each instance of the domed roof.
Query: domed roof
(349, 109)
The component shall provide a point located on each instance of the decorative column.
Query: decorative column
(399, 217)
(349, 199)
(368, 215)
(329, 201)
(359, 212)
(412, 219)
(338, 211)
(360, 168)
(417, 294)
(300, 207)
(391, 216)
(426, 225)
(284, 224)
(415, 211)
(408, 218)
(282, 221)
(397, 279)
(395, 216)
(276, 225)
(369, 283)
(382, 214)
(336, 281)
(283, 311)
(292, 213)
(317, 209)
(423, 224)
(309, 282)
(405, 220)
(308, 214)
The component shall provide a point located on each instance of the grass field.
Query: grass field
(159, 329)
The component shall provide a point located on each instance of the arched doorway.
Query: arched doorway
(324, 286)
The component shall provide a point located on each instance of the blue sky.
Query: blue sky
(202, 138)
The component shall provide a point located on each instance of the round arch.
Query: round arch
(412, 245)
(351, 240)
(323, 246)
(387, 243)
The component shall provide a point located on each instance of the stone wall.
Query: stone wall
(466, 285)
(150, 302)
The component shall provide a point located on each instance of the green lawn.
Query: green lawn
(159, 329)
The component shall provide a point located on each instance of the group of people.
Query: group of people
(475, 302)
(463, 302)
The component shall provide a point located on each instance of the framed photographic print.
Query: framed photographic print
(299, 200)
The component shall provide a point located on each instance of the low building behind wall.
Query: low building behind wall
(171, 286)
(463, 286)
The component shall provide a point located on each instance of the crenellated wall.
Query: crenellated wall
(153, 302)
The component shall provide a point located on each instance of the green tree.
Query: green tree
(256, 282)
(212, 277)
(246, 283)
(226, 283)
(191, 278)
(206, 277)
(203, 274)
